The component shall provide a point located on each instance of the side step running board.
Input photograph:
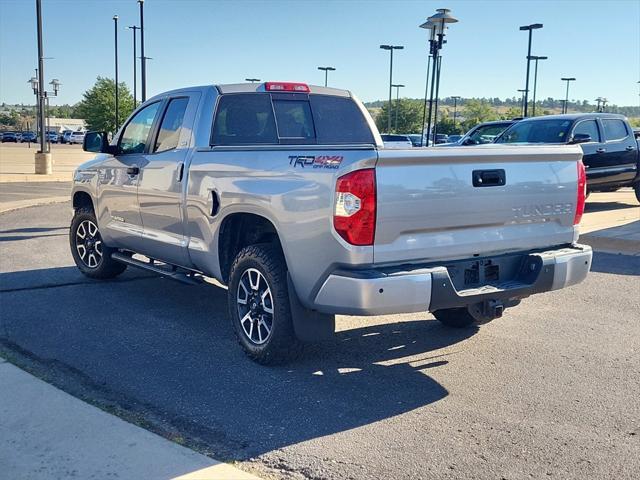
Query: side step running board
(180, 275)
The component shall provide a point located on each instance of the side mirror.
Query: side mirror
(581, 138)
(97, 142)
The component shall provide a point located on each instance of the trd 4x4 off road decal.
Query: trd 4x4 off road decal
(320, 161)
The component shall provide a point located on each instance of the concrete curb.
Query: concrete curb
(34, 202)
(47, 433)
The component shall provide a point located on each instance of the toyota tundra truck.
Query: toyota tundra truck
(284, 194)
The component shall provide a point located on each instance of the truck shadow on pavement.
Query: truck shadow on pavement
(615, 263)
(165, 355)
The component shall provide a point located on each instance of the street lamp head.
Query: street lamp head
(536, 57)
(330, 69)
(251, 80)
(34, 84)
(443, 15)
(456, 97)
(567, 79)
(115, 17)
(386, 47)
(55, 83)
(533, 26)
(397, 85)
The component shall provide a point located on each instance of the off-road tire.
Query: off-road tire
(455, 317)
(281, 344)
(106, 267)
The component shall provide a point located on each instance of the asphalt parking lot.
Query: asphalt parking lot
(550, 390)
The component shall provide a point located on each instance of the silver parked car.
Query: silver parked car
(284, 193)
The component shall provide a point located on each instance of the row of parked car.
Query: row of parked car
(609, 144)
(67, 136)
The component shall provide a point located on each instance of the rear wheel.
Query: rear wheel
(259, 305)
(455, 317)
(92, 256)
(636, 187)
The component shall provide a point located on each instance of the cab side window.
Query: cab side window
(588, 127)
(171, 125)
(135, 136)
(614, 129)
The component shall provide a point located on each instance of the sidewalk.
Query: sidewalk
(611, 222)
(17, 163)
(47, 434)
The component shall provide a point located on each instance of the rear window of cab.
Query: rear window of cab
(288, 119)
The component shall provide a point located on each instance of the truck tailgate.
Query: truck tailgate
(452, 203)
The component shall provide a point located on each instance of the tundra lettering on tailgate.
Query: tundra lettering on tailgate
(545, 210)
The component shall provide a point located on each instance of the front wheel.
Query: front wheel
(259, 305)
(91, 255)
(636, 188)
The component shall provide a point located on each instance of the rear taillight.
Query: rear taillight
(354, 214)
(582, 193)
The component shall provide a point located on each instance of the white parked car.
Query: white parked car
(396, 141)
(76, 137)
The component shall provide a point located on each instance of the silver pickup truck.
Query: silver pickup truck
(284, 193)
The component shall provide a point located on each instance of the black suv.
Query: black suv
(610, 149)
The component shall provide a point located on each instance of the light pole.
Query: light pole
(530, 29)
(428, 25)
(252, 80)
(43, 157)
(115, 33)
(40, 81)
(397, 86)
(143, 59)
(135, 86)
(599, 100)
(439, 21)
(566, 98)
(522, 100)
(535, 81)
(391, 48)
(455, 110)
(604, 103)
(326, 73)
(564, 105)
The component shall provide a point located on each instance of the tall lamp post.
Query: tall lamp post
(599, 100)
(143, 59)
(391, 48)
(115, 33)
(522, 100)
(252, 80)
(428, 25)
(455, 109)
(566, 98)
(397, 86)
(135, 67)
(530, 29)
(326, 73)
(439, 21)
(535, 80)
(43, 157)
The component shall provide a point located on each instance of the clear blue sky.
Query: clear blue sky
(195, 42)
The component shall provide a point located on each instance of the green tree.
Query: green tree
(512, 112)
(478, 111)
(409, 112)
(98, 104)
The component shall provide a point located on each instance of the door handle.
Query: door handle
(133, 170)
(601, 150)
(488, 178)
(629, 148)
